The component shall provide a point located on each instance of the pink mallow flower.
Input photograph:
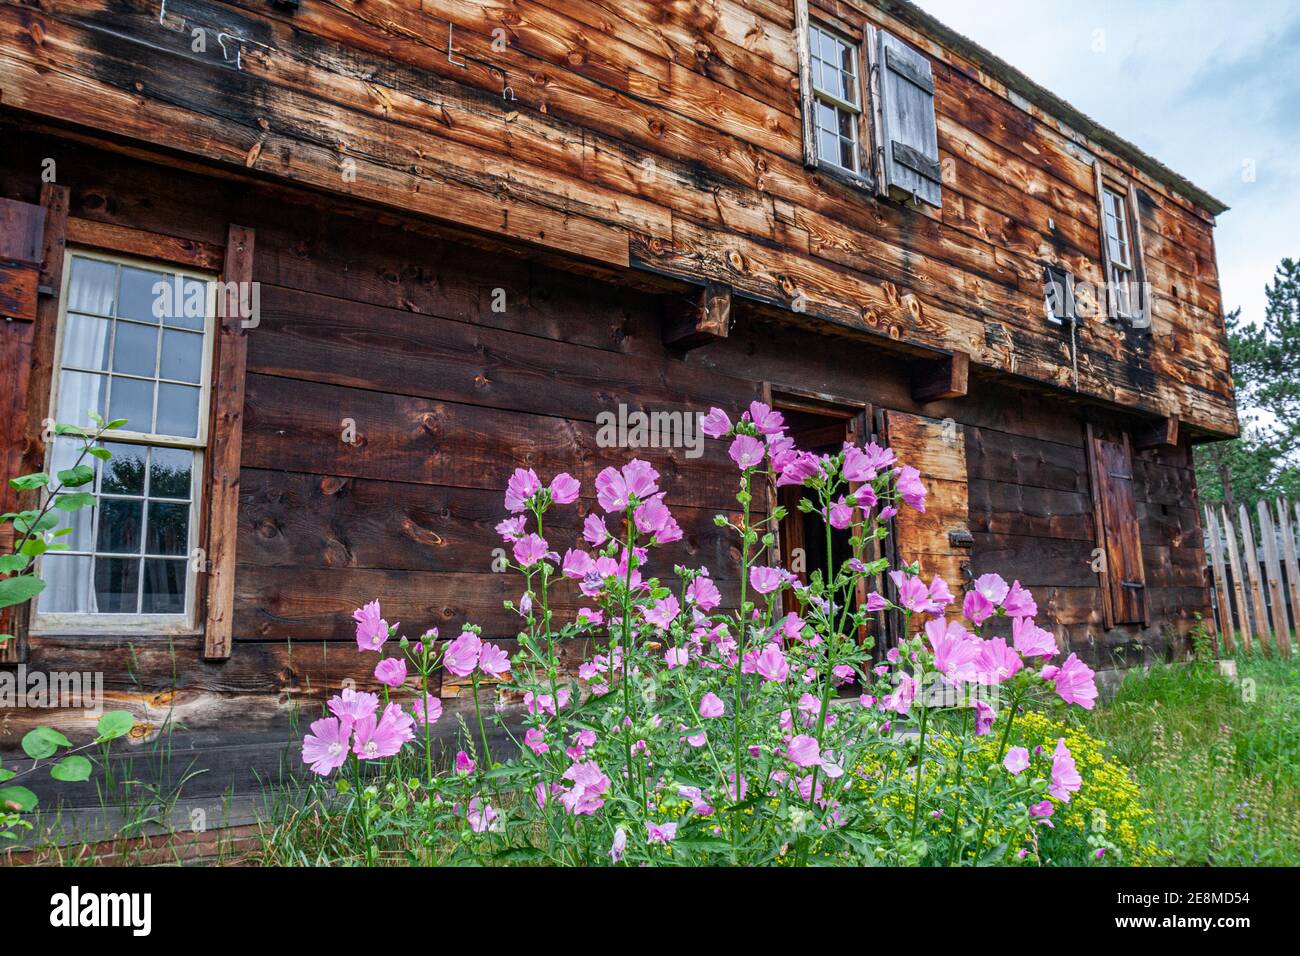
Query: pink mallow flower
(762, 416)
(530, 550)
(463, 762)
(1065, 776)
(955, 649)
(763, 579)
(1075, 683)
(616, 487)
(523, 484)
(391, 671)
(587, 794)
(746, 451)
(711, 705)
(1019, 602)
(716, 423)
(462, 654)
(1016, 760)
(660, 832)
(704, 593)
(383, 737)
(910, 487)
(996, 662)
(326, 747)
(431, 706)
(372, 629)
(564, 489)
(352, 705)
(662, 613)
(771, 665)
(493, 661)
(1030, 640)
(594, 531)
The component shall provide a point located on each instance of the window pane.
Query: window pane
(132, 400)
(86, 342)
(178, 411)
(119, 525)
(194, 306)
(164, 587)
(137, 294)
(67, 584)
(182, 356)
(169, 473)
(135, 350)
(81, 522)
(80, 393)
(117, 585)
(169, 528)
(92, 285)
(123, 474)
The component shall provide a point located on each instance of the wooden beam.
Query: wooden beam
(1163, 433)
(227, 437)
(948, 377)
(698, 319)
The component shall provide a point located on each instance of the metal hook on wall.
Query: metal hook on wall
(451, 27)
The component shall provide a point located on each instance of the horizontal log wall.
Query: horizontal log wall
(662, 134)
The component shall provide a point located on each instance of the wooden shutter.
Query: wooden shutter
(1140, 294)
(909, 139)
(938, 539)
(802, 26)
(1123, 577)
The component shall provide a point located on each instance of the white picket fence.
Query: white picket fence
(1256, 588)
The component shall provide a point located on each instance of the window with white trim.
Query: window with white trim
(837, 98)
(134, 343)
(1119, 245)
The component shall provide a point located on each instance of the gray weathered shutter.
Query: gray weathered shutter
(1141, 289)
(908, 135)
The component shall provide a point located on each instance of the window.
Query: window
(1119, 247)
(837, 106)
(133, 344)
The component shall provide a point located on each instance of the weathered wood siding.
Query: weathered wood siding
(665, 135)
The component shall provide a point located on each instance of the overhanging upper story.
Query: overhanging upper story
(845, 163)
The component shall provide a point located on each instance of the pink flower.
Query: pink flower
(615, 488)
(803, 750)
(764, 580)
(875, 602)
(704, 593)
(1042, 812)
(372, 629)
(564, 489)
(528, 551)
(977, 608)
(463, 762)
(863, 465)
(746, 451)
(840, 514)
(914, 595)
(983, 717)
(535, 741)
(954, 649)
(711, 705)
(1075, 683)
(594, 531)
(577, 564)
(619, 846)
(660, 833)
(1065, 777)
(1016, 760)
(587, 794)
(351, 706)
(653, 517)
(677, 657)
(1019, 602)
(589, 616)
(843, 673)
(391, 671)
(716, 423)
(792, 626)
(462, 654)
(662, 613)
(900, 699)
(431, 706)
(326, 747)
(481, 817)
(493, 660)
(993, 587)
(996, 662)
(523, 484)
(512, 529)
(797, 470)
(383, 737)
(771, 665)
(910, 487)
(767, 421)
(1030, 639)
(781, 451)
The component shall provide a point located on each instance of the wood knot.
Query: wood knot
(736, 261)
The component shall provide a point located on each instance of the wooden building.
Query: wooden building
(472, 227)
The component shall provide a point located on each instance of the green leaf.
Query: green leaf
(75, 501)
(103, 454)
(77, 476)
(30, 522)
(114, 724)
(5, 637)
(7, 774)
(17, 798)
(115, 423)
(27, 482)
(44, 742)
(9, 563)
(71, 769)
(64, 429)
(19, 590)
(34, 547)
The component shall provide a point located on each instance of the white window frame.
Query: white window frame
(856, 110)
(1119, 239)
(186, 622)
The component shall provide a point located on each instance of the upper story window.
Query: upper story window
(837, 98)
(1119, 245)
(868, 109)
(133, 343)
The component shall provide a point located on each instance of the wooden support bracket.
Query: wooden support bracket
(946, 377)
(698, 319)
(1161, 434)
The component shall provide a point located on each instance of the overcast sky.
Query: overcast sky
(1211, 88)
